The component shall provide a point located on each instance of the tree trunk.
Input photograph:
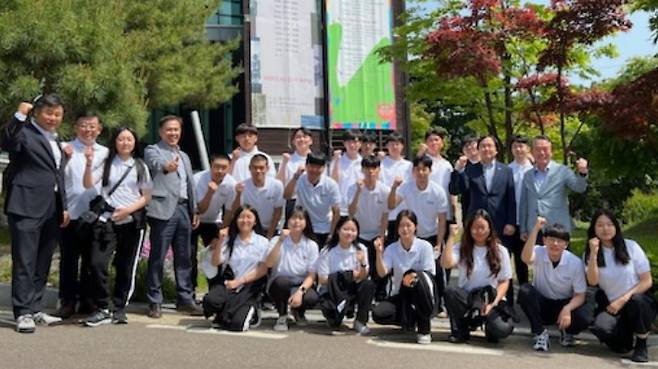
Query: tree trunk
(490, 113)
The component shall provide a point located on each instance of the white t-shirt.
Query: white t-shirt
(241, 166)
(246, 255)
(350, 171)
(426, 204)
(518, 171)
(130, 189)
(561, 282)
(395, 168)
(615, 279)
(481, 274)
(419, 257)
(338, 259)
(441, 170)
(318, 200)
(223, 197)
(295, 260)
(264, 199)
(77, 196)
(372, 204)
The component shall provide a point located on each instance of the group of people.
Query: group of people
(365, 234)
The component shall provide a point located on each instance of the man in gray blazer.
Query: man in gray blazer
(172, 215)
(544, 192)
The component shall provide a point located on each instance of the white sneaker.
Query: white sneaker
(542, 341)
(25, 324)
(281, 324)
(46, 319)
(424, 339)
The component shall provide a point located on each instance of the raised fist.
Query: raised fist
(89, 154)
(460, 164)
(594, 244)
(239, 188)
(284, 234)
(541, 222)
(379, 245)
(25, 108)
(285, 157)
(397, 182)
(454, 230)
(581, 166)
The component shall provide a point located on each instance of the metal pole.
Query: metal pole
(325, 137)
(246, 59)
(200, 141)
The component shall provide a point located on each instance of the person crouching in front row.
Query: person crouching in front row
(410, 260)
(239, 256)
(484, 274)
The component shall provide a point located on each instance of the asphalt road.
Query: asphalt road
(177, 341)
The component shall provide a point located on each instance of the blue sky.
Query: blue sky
(636, 42)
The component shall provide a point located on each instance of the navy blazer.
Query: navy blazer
(32, 174)
(499, 200)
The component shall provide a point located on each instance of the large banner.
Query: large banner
(286, 64)
(361, 89)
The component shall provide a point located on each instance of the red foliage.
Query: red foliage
(472, 46)
(537, 80)
(634, 108)
(580, 22)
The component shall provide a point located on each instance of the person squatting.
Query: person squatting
(368, 235)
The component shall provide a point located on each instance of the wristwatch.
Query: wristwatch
(303, 289)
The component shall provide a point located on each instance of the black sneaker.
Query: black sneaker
(191, 309)
(640, 354)
(100, 317)
(119, 317)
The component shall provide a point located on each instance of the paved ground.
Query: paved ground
(177, 341)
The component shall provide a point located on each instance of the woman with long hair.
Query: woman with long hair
(621, 270)
(410, 260)
(484, 274)
(343, 272)
(126, 189)
(241, 251)
(293, 258)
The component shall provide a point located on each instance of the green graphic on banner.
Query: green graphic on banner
(361, 88)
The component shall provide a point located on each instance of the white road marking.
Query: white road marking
(206, 330)
(442, 347)
(649, 364)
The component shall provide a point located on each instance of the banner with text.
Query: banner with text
(286, 64)
(361, 89)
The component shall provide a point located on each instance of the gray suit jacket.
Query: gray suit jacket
(551, 200)
(166, 186)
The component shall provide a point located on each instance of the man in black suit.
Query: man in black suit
(492, 190)
(35, 203)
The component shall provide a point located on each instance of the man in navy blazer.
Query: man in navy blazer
(35, 204)
(492, 189)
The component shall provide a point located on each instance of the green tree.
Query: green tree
(121, 57)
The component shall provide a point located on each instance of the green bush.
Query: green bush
(168, 283)
(640, 206)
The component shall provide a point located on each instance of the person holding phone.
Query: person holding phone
(620, 268)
